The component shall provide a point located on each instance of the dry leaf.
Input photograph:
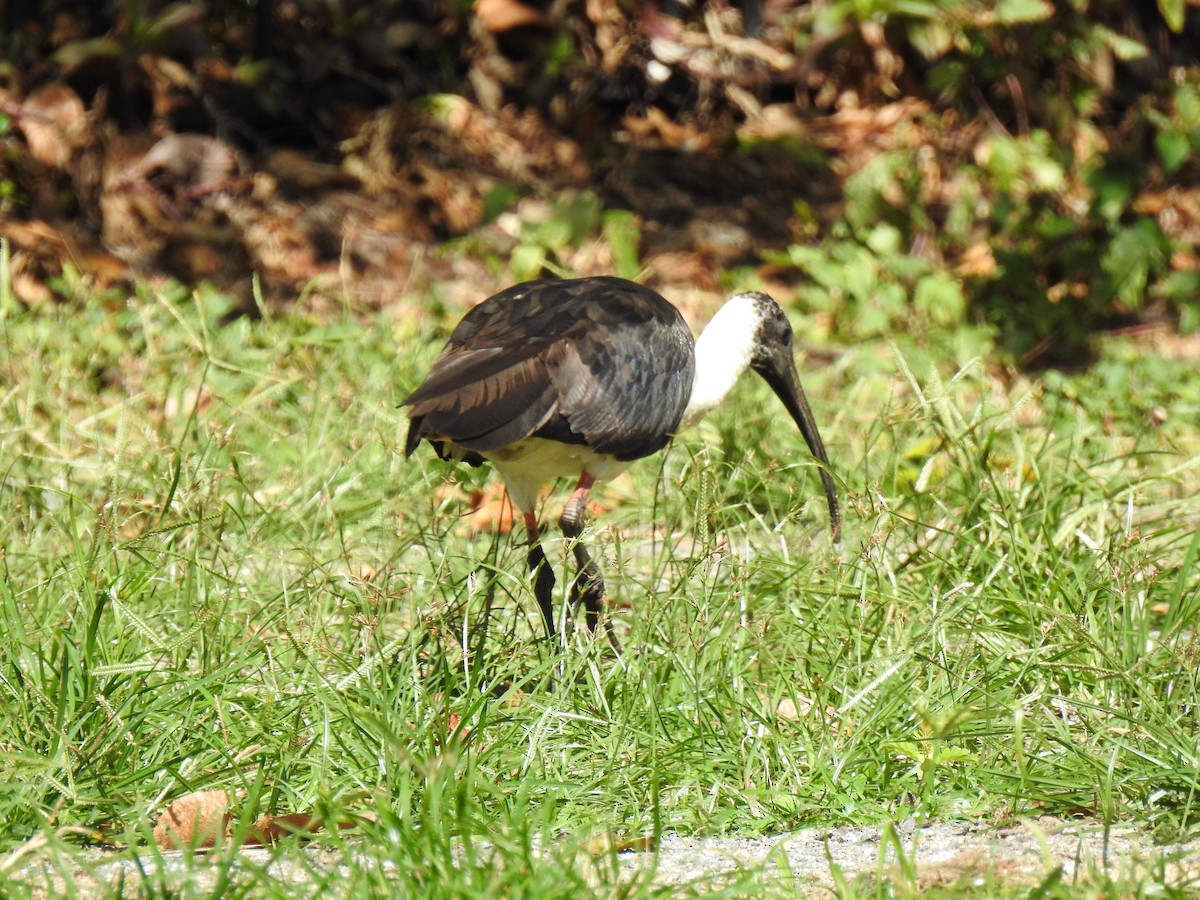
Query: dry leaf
(787, 708)
(505, 15)
(52, 119)
(30, 290)
(198, 819)
(976, 262)
(202, 818)
(192, 165)
(269, 829)
(656, 126)
(1150, 203)
(491, 510)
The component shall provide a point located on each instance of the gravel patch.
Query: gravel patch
(943, 853)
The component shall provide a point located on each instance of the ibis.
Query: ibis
(580, 377)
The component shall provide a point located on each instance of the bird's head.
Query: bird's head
(771, 356)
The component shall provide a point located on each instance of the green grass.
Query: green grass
(219, 572)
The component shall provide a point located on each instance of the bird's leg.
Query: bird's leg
(589, 583)
(543, 574)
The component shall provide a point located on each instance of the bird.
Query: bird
(581, 377)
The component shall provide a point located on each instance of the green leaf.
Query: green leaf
(1001, 157)
(906, 268)
(861, 275)
(1133, 254)
(884, 239)
(1014, 12)
(818, 265)
(932, 38)
(1179, 287)
(497, 200)
(1115, 187)
(940, 297)
(893, 298)
(442, 106)
(1174, 148)
(1173, 12)
(865, 190)
(954, 755)
(916, 9)
(623, 233)
(79, 53)
(527, 261)
(1124, 48)
(1189, 318)
(582, 214)
(908, 749)
(1187, 105)
(174, 17)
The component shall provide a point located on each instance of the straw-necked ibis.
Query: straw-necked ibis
(580, 378)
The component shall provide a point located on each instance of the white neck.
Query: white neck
(723, 352)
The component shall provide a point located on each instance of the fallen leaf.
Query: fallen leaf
(198, 819)
(29, 290)
(181, 167)
(976, 262)
(655, 126)
(53, 120)
(1150, 203)
(270, 828)
(787, 708)
(504, 15)
(203, 818)
(491, 510)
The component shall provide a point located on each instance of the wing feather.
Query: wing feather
(599, 361)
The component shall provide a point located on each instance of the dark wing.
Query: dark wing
(600, 361)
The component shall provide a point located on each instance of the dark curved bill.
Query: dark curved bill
(784, 380)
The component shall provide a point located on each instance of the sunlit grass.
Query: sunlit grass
(219, 572)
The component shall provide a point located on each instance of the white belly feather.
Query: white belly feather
(528, 464)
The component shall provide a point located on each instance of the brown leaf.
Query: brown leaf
(53, 120)
(198, 819)
(614, 30)
(505, 15)
(170, 83)
(491, 510)
(1150, 203)
(787, 708)
(976, 262)
(268, 829)
(29, 290)
(198, 163)
(202, 818)
(774, 122)
(657, 127)
(33, 234)
(299, 170)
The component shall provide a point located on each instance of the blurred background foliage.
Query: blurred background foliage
(1026, 167)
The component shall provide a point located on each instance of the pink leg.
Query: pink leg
(588, 586)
